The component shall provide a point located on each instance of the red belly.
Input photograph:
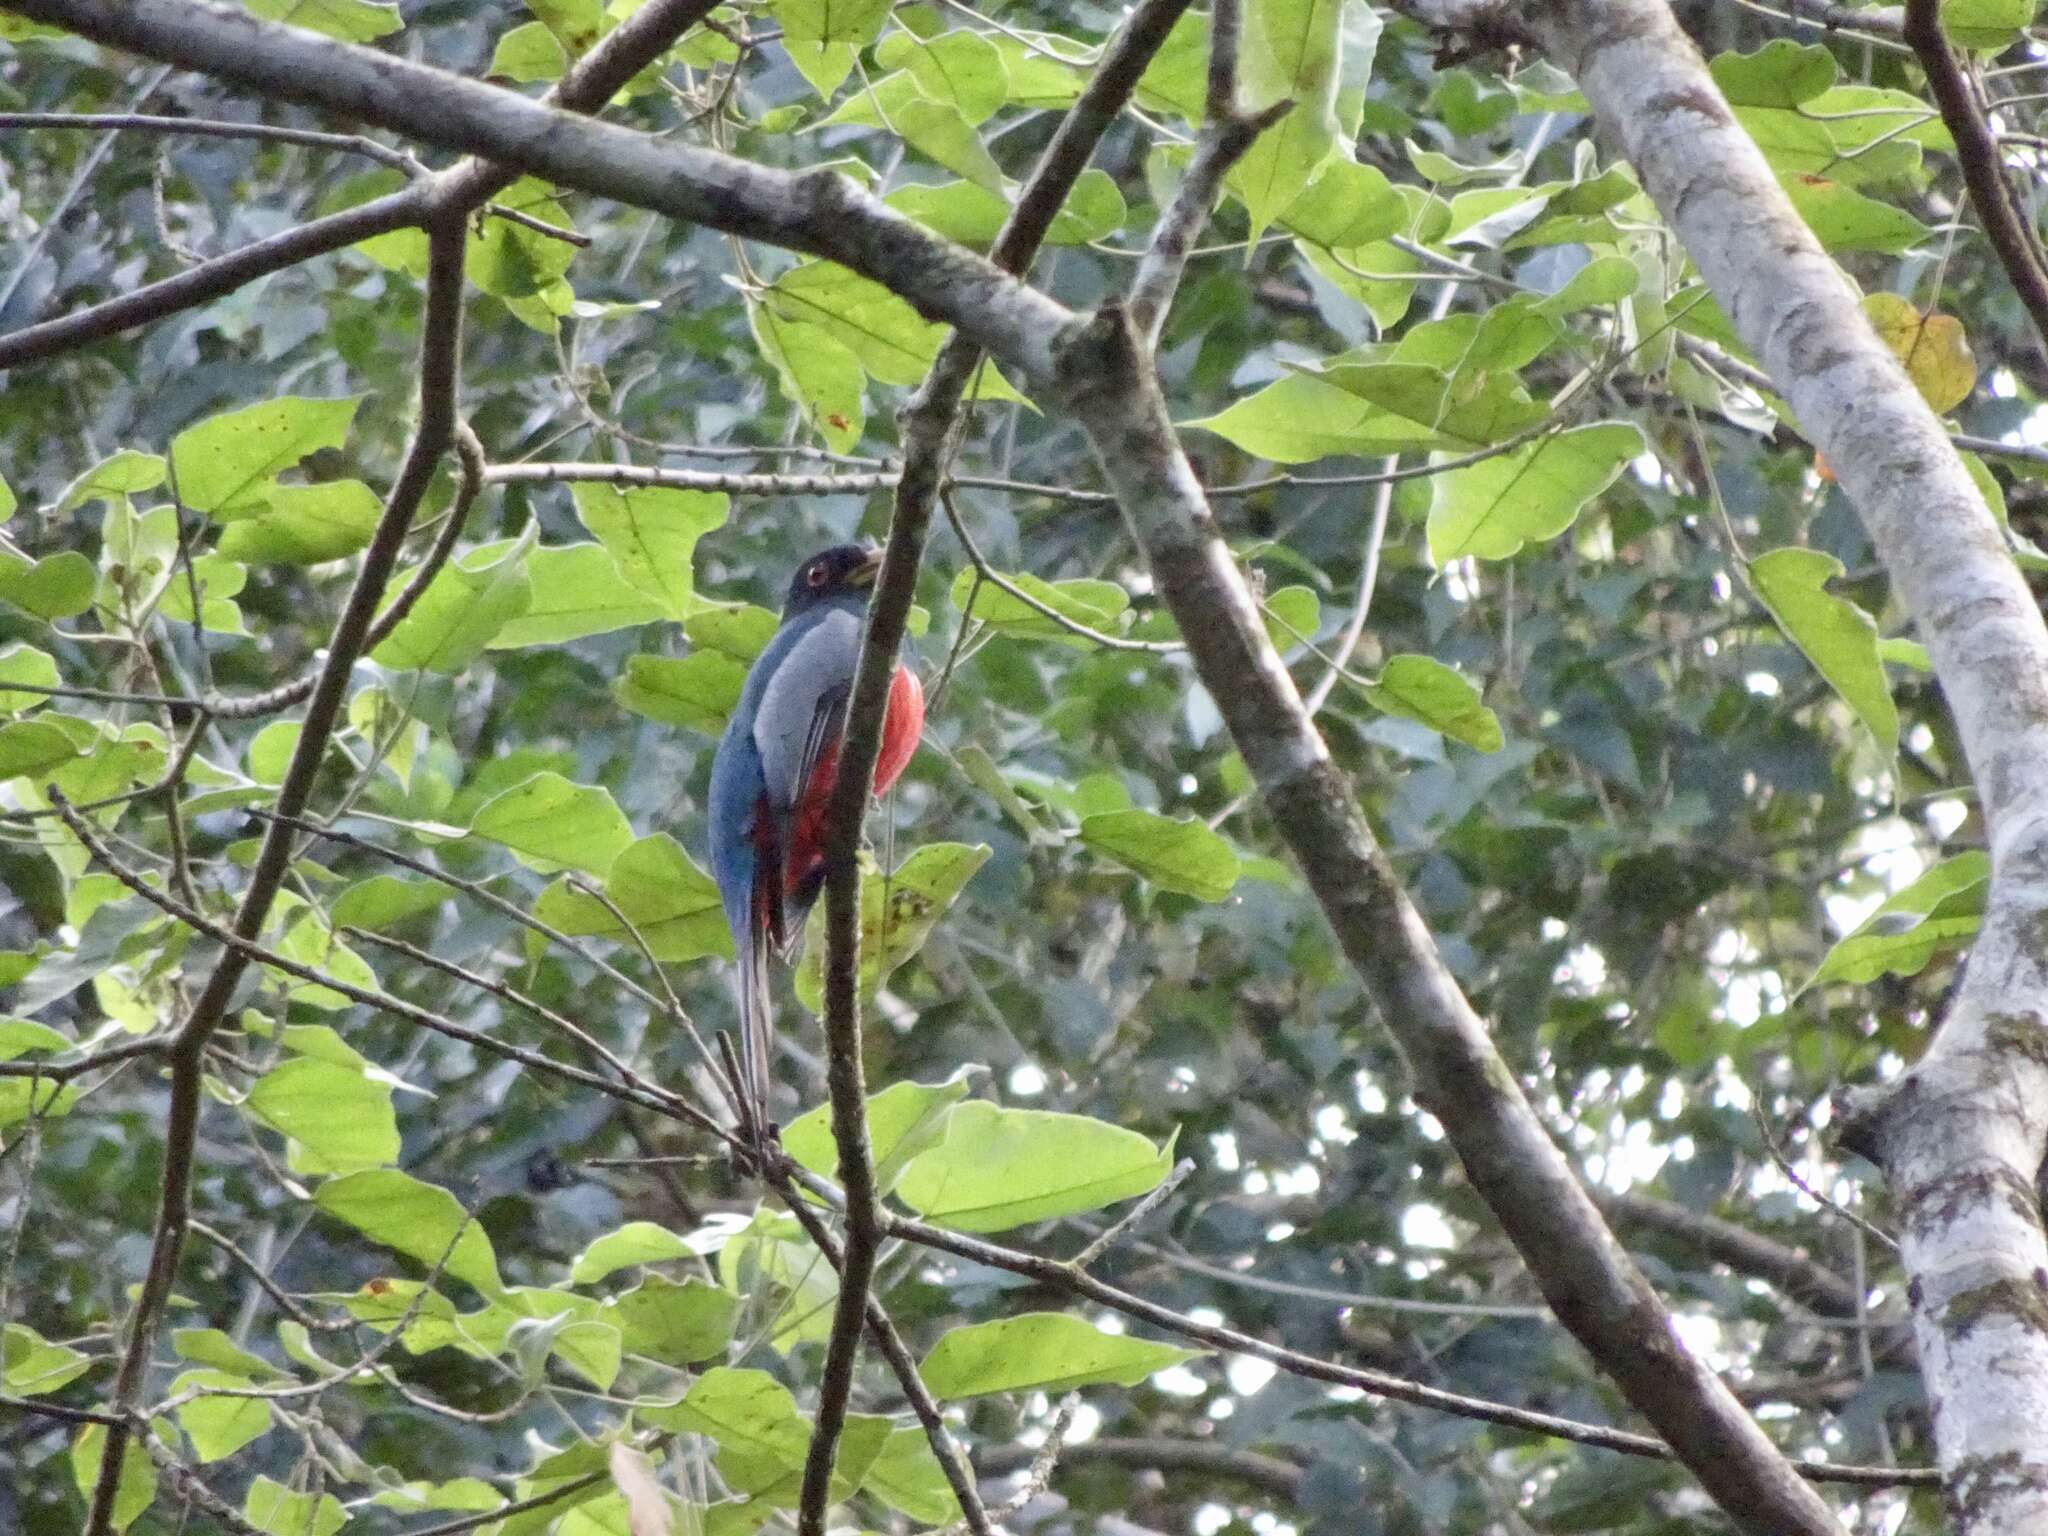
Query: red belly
(902, 724)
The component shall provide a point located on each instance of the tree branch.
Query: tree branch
(1196, 1458)
(818, 212)
(2011, 235)
(1508, 1156)
(440, 353)
(1961, 1135)
(1748, 1253)
(1380, 1384)
(931, 425)
(590, 83)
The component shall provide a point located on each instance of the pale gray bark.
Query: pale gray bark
(1961, 1136)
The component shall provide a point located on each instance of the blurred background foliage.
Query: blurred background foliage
(1679, 817)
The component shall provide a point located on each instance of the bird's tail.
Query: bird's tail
(757, 1028)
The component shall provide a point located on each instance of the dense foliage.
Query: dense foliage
(1629, 706)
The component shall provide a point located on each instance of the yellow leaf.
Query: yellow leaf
(1933, 347)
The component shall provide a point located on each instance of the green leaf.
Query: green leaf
(277, 1511)
(1291, 52)
(31, 748)
(831, 21)
(220, 1426)
(973, 215)
(1301, 417)
(22, 663)
(513, 261)
(551, 824)
(818, 374)
(1604, 280)
(1174, 855)
(1838, 637)
(740, 630)
(1492, 508)
(1347, 205)
(1986, 26)
(527, 53)
(134, 1489)
(341, 1119)
(119, 474)
(418, 1220)
(824, 65)
(577, 591)
(961, 68)
(303, 524)
(1423, 689)
(748, 1411)
(20, 1036)
(1097, 604)
(58, 586)
(906, 1475)
(1843, 219)
(699, 690)
(652, 533)
(675, 1324)
(773, 1253)
(671, 903)
(469, 601)
(225, 463)
(24, 1097)
(385, 901)
(904, 1119)
(576, 23)
(897, 913)
(894, 344)
(353, 21)
(30, 1365)
(209, 1346)
(1001, 1168)
(637, 1242)
(1940, 911)
(1040, 1352)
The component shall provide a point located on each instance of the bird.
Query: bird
(772, 778)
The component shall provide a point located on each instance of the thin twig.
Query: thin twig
(209, 128)
(931, 430)
(1136, 1215)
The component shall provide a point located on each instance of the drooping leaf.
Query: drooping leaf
(225, 463)
(1422, 688)
(1492, 508)
(1000, 1168)
(422, 1221)
(1940, 911)
(1040, 1352)
(1838, 637)
(554, 824)
(1175, 855)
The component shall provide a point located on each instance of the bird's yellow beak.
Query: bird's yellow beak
(864, 574)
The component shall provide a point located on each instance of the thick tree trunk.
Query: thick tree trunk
(1961, 1136)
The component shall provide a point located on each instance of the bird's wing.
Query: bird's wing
(802, 707)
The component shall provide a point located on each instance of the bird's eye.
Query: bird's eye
(815, 576)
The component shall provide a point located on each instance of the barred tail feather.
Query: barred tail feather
(757, 1028)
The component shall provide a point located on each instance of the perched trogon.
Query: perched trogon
(773, 777)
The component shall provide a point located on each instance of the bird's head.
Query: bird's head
(845, 570)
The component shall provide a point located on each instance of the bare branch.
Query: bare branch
(819, 212)
(1079, 1283)
(2010, 233)
(1508, 1156)
(931, 424)
(1227, 133)
(1198, 1458)
(590, 83)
